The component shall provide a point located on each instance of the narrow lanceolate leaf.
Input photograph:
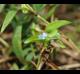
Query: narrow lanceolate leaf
(10, 15)
(16, 42)
(56, 24)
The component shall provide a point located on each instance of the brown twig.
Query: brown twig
(52, 65)
(69, 42)
(77, 65)
(6, 59)
(32, 62)
(67, 52)
(4, 42)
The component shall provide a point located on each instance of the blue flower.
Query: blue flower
(42, 36)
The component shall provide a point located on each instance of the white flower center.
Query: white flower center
(42, 36)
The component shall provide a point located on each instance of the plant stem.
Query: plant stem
(38, 16)
(4, 42)
(40, 65)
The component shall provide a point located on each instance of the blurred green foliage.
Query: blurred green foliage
(27, 21)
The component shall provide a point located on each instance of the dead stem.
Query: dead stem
(69, 43)
(77, 65)
(6, 59)
(52, 65)
(34, 64)
(4, 42)
(69, 54)
(40, 65)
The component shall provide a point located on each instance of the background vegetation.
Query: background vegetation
(39, 36)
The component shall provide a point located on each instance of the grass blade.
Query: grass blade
(10, 15)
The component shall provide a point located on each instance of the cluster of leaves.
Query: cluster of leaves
(25, 31)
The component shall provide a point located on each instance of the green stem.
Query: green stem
(38, 16)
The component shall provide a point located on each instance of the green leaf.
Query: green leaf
(29, 57)
(56, 24)
(17, 43)
(26, 67)
(10, 15)
(38, 7)
(53, 33)
(26, 51)
(31, 39)
(14, 67)
(24, 8)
